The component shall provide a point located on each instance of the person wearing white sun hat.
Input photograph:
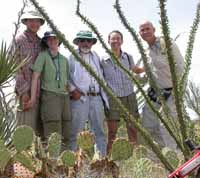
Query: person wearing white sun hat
(27, 46)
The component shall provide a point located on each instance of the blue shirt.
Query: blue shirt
(115, 77)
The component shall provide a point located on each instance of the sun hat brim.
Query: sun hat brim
(76, 40)
(44, 38)
(30, 16)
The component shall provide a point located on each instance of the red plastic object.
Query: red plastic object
(187, 167)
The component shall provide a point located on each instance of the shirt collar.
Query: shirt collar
(156, 45)
(123, 56)
(30, 37)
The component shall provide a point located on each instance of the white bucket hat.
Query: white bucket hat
(32, 15)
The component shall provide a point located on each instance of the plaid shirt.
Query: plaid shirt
(27, 47)
(116, 79)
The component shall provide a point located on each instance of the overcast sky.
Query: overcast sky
(102, 13)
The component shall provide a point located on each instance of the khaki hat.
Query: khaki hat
(84, 35)
(32, 15)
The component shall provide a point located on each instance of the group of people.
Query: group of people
(57, 94)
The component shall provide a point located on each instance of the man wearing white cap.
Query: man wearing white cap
(86, 94)
(27, 46)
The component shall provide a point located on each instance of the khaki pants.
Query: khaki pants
(30, 117)
(55, 114)
(114, 115)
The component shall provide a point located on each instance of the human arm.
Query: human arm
(34, 85)
(138, 70)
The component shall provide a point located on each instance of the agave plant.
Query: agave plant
(8, 63)
(9, 66)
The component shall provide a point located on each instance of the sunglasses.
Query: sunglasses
(85, 40)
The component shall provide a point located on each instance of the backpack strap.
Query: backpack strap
(129, 61)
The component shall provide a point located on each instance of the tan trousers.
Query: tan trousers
(30, 117)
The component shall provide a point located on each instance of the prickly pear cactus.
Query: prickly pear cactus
(54, 146)
(68, 158)
(5, 157)
(140, 152)
(23, 138)
(171, 156)
(24, 159)
(158, 171)
(85, 140)
(39, 148)
(143, 168)
(121, 149)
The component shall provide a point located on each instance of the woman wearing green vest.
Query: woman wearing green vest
(51, 69)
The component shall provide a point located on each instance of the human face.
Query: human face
(147, 32)
(85, 45)
(33, 25)
(53, 43)
(115, 40)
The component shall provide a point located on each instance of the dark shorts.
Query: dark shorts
(130, 102)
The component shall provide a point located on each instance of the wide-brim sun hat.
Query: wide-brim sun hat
(32, 15)
(47, 35)
(84, 35)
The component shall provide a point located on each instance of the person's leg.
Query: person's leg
(79, 114)
(112, 132)
(132, 133)
(51, 127)
(112, 118)
(152, 124)
(66, 122)
(96, 117)
(130, 103)
(28, 117)
(51, 113)
(169, 141)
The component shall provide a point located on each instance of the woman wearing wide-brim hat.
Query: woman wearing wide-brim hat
(51, 67)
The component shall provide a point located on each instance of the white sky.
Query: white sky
(102, 13)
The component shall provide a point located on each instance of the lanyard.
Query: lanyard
(57, 67)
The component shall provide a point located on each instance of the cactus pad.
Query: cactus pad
(143, 167)
(68, 158)
(54, 145)
(121, 149)
(140, 151)
(171, 156)
(5, 157)
(85, 140)
(25, 160)
(23, 138)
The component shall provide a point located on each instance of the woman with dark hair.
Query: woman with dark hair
(52, 69)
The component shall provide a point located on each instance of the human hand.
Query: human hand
(25, 99)
(30, 104)
(76, 94)
(67, 87)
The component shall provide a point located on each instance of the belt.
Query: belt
(167, 89)
(91, 94)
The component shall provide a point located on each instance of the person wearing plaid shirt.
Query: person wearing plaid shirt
(27, 46)
(121, 86)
